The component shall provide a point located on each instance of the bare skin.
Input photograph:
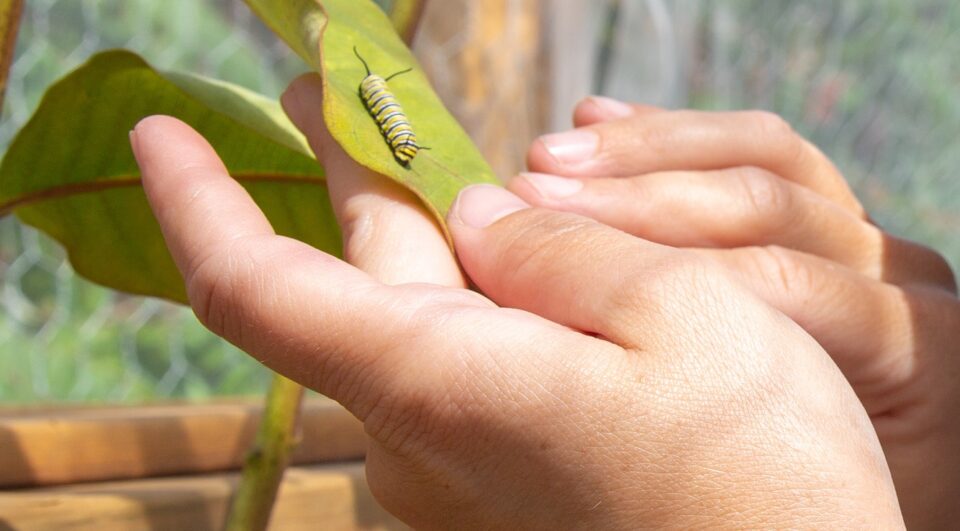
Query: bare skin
(747, 191)
(689, 401)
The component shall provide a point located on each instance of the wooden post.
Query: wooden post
(485, 60)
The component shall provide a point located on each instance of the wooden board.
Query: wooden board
(333, 497)
(71, 445)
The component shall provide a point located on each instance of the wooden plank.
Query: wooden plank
(333, 496)
(39, 447)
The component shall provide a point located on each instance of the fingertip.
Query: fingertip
(164, 145)
(594, 109)
(143, 133)
(585, 112)
(539, 158)
(156, 129)
(520, 186)
(544, 186)
(303, 100)
(154, 120)
(482, 205)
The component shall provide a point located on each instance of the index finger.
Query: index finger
(296, 309)
(180, 170)
(691, 140)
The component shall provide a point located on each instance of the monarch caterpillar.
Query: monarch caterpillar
(386, 111)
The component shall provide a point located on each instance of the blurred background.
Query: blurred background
(874, 83)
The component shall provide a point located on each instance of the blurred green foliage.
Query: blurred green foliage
(873, 83)
(61, 337)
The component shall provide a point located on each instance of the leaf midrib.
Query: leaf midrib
(124, 181)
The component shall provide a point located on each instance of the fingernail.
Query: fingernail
(551, 186)
(572, 147)
(481, 205)
(611, 107)
(291, 104)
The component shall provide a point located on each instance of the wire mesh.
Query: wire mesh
(61, 337)
(873, 83)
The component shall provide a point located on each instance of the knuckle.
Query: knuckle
(210, 290)
(781, 267)
(367, 217)
(356, 216)
(638, 190)
(399, 422)
(221, 283)
(770, 124)
(927, 263)
(904, 262)
(543, 242)
(665, 281)
(653, 136)
(777, 132)
(770, 199)
(942, 272)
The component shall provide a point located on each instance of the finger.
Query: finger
(571, 269)
(738, 207)
(180, 168)
(597, 109)
(305, 314)
(386, 230)
(690, 140)
(865, 325)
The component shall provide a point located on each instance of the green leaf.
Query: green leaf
(323, 33)
(70, 171)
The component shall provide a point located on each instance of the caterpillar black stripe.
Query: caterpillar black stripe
(386, 111)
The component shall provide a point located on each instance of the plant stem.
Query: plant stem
(265, 463)
(405, 16)
(9, 24)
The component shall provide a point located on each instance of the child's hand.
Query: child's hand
(747, 191)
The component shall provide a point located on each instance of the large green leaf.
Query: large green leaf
(70, 172)
(324, 33)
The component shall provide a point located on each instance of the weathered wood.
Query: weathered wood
(325, 497)
(41, 447)
(10, 13)
(485, 61)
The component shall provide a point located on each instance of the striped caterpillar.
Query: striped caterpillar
(386, 111)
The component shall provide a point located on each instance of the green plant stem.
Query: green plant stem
(405, 16)
(265, 463)
(10, 11)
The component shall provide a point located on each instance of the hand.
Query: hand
(668, 411)
(746, 191)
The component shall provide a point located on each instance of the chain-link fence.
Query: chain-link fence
(61, 337)
(871, 82)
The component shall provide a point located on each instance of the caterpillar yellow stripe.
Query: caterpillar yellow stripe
(386, 111)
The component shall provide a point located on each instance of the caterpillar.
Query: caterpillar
(386, 111)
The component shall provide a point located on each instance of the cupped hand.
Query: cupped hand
(749, 193)
(607, 382)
